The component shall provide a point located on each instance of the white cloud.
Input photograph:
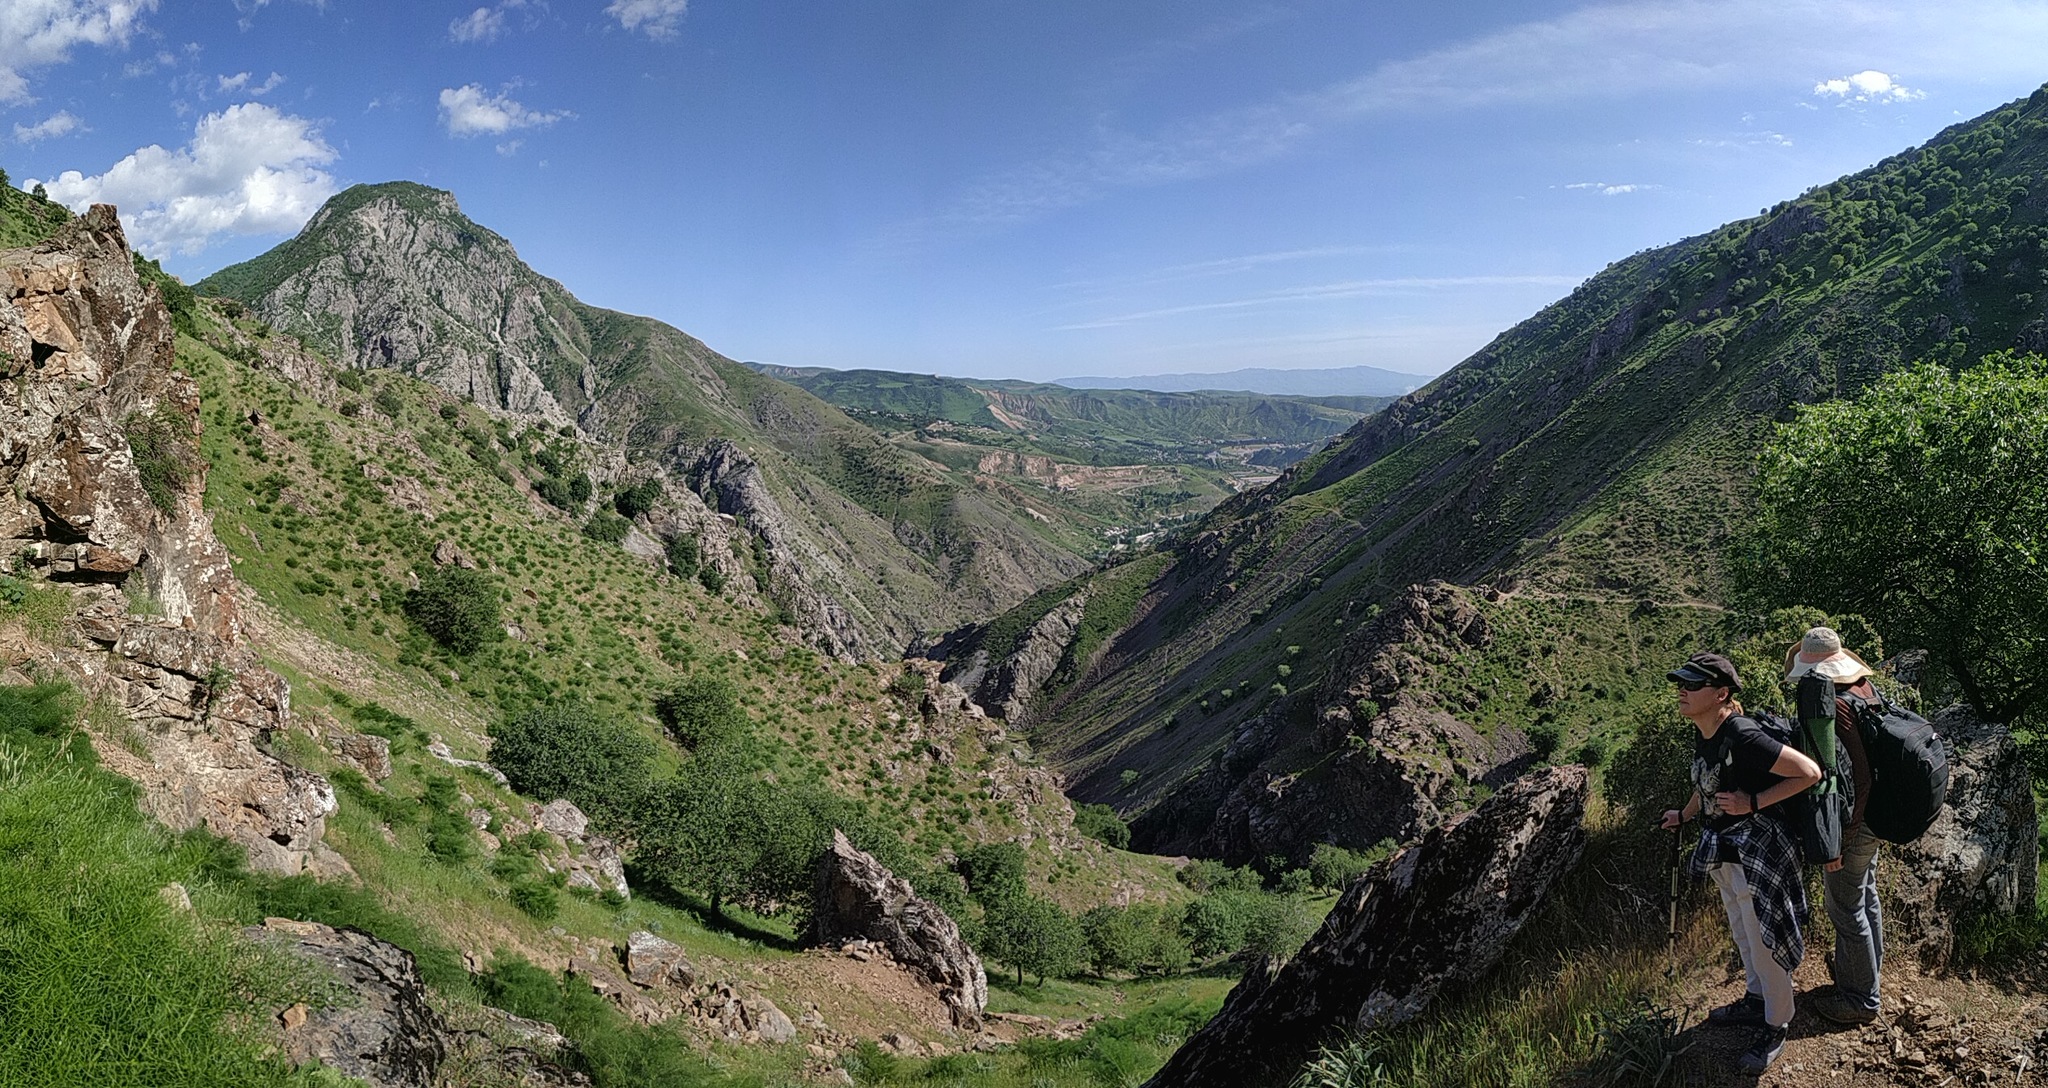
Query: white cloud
(1868, 85)
(39, 33)
(57, 124)
(249, 169)
(655, 18)
(481, 25)
(510, 148)
(1606, 189)
(239, 84)
(469, 110)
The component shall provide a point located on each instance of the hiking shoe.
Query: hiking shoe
(1745, 1011)
(1770, 1042)
(1838, 1007)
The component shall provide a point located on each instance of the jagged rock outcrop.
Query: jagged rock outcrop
(731, 483)
(1371, 754)
(100, 491)
(857, 898)
(1437, 915)
(1980, 859)
(384, 1031)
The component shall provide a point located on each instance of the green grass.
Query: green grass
(101, 980)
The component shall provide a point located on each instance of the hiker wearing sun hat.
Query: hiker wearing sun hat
(1850, 882)
(1739, 770)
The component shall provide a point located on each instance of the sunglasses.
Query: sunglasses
(1691, 685)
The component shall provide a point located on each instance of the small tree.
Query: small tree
(702, 712)
(1031, 933)
(682, 556)
(1923, 505)
(1100, 822)
(457, 607)
(567, 749)
(993, 871)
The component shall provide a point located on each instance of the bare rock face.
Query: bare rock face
(1018, 680)
(1437, 915)
(652, 961)
(385, 1032)
(857, 898)
(1980, 858)
(90, 408)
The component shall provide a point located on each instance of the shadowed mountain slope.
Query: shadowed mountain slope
(1585, 468)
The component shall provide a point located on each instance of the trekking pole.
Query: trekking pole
(1671, 901)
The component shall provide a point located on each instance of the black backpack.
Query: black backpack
(1908, 768)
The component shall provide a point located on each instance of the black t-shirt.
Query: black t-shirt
(1738, 758)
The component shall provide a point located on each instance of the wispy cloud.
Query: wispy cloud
(1613, 189)
(249, 169)
(1329, 291)
(1604, 52)
(1869, 85)
(1225, 266)
(57, 124)
(655, 18)
(488, 24)
(239, 84)
(469, 110)
(39, 33)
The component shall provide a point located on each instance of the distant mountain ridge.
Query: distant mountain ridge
(865, 544)
(1340, 381)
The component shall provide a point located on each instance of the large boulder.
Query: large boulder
(384, 1032)
(858, 898)
(1981, 858)
(1437, 915)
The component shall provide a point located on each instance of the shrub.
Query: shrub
(682, 556)
(350, 380)
(607, 527)
(1101, 823)
(712, 579)
(457, 607)
(993, 871)
(39, 710)
(164, 458)
(536, 898)
(449, 411)
(567, 749)
(631, 502)
(701, 712)
(1335, 867)
(389, 400)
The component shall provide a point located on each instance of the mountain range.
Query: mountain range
(1338, 381)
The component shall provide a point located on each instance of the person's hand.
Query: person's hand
(1672, 818)
(1834, 866)
(1733, 803)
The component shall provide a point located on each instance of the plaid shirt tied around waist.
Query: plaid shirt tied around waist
(1770, 863)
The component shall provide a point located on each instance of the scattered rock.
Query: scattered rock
(366, 753)
(386, 1033)
(562, 817)
(175, 896)
(653, 961)
(1436, 915)
(856, 897)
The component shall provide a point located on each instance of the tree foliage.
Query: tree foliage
(1923, 505)
(457, 607)
(1101, 823)
(1032, 933)
(568, 749)
(702, 712)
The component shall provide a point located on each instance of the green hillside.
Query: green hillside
(870, 541)
(1588, 465)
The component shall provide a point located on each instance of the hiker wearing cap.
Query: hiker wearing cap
(1737, 771)
(1850, 882)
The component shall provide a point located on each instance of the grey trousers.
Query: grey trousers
(1851, 898)
(1765, 977)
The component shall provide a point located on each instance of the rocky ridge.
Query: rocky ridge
(100, 491)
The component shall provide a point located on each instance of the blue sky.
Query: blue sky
(1008, 190)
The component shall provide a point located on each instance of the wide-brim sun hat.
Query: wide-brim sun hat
(1821, 654)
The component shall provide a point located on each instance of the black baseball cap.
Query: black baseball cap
(1707, 669)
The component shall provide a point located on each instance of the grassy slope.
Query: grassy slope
(1595, 453)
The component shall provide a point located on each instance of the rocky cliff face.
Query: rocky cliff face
(100, 493)
(1369, 755)
(858, 899)
(1435, 916)
(864, 545)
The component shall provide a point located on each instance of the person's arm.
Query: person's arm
(1675, 816)
(1796, 770)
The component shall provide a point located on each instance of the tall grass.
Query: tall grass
(102, 982)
